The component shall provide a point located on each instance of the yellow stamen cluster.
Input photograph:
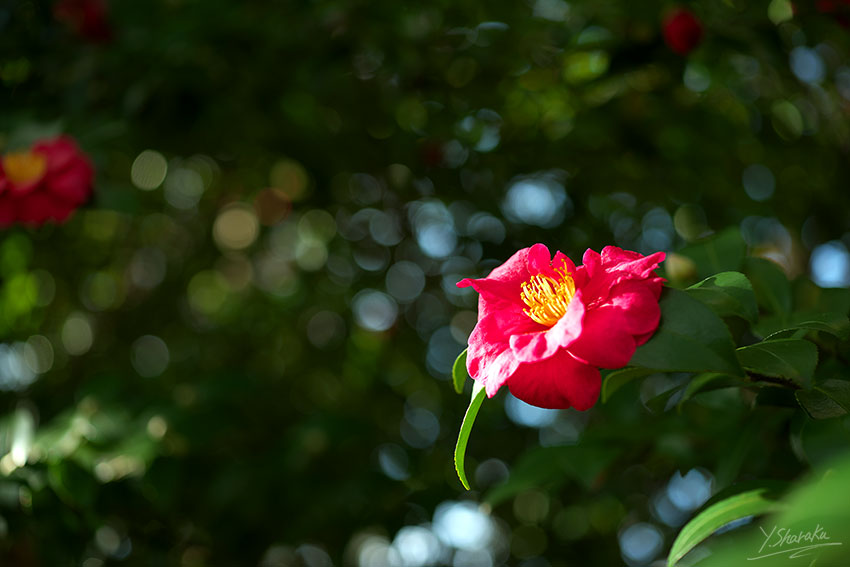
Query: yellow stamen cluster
(23, 167)
(547, 298)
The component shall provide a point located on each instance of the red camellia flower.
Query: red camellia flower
(682, 31)
(545, 326)
(87, 18)
(44, 183)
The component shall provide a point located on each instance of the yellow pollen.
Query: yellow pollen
(547, 298)
(24, 167)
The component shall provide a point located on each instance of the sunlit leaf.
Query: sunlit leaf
(727, 294)
(478, 395)
(459, 373)
(749, 501)
(813, 510)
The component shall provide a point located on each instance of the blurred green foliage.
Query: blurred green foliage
(239, 352)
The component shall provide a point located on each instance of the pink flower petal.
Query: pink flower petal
(489, 359)
(557, 382)
(637, 306)
(603, 341)
(501, 289)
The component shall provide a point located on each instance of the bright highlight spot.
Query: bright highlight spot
(830, 265)
(148, 170)
(236, 227)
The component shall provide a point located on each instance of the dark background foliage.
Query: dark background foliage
(238, 352)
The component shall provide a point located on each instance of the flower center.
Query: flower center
(548, 298)
(24, 167)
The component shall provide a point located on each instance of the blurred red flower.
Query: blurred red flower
(46, 182)
(86, 18)
(838, 9)
(545, 326)
(682, 31)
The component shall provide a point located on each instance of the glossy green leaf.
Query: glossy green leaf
(833, 323)
(828, 399)
(751, 501)
(771, 286)
(618, 378)
(815, 506)
(478, 395)
(707, 382)
(459, 373)
(662, 402)
(794, 359)
(722, 252)
(727, 294)
(818, 404)
(690, 338)
(838, 390)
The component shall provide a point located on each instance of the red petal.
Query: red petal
(7, 210)
(603, 341)
(557, 382)
(59, 152)
(38, 208)
(500, 290)
(490, 359)
(72, 183)
(632, 263)
(637, 306)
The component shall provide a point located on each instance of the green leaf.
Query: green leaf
(661, 402)
(690, 338)
(707, 382)
(459, 373)
(816, 505)
(478, 395)
(746, 502)
(773, 292)
(616, 379)
(818, 404)
(838, 390)
(727, 294)
(722, 252)
(830, 398)
(553, 466)
(794, 359)
(832, 323)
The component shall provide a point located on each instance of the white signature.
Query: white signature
(780, 541)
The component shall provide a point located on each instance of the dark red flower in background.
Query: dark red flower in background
(838, 9)
(44, 183)
(89, 19)
(682, 31)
